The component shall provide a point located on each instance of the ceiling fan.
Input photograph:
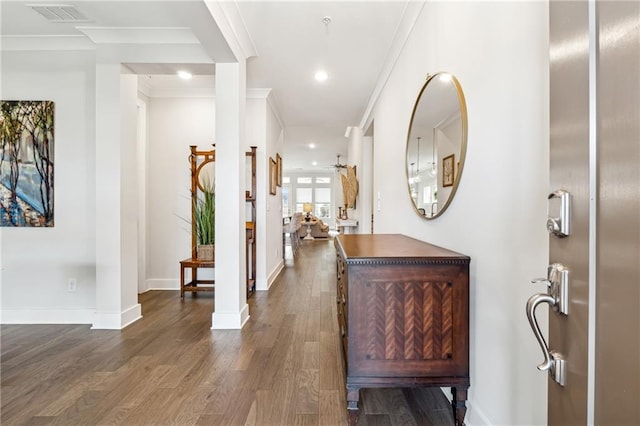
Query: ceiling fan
(339, 166)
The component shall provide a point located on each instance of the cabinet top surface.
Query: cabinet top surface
(393, 247)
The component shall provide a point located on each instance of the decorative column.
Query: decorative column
(231, 309)
(116, 199)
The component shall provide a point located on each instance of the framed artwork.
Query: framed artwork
(278, 169)
(448, 165)
(26, 163)
(273, 176)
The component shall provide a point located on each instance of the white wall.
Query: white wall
(359, 154)
(273, 246)
(499, 52)
(129, 194)
(174, 125)
(264, 130)
(38, 262)
(355, 152)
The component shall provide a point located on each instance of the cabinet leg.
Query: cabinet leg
(458, 403)
(353, 396)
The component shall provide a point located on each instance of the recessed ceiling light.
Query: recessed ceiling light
(185, 75)
(321, 75)
(445, 78)
(312, 145)
(314, 163)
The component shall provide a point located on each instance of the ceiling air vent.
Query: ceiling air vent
(59, 12)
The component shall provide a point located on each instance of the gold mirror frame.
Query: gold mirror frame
(417, 131)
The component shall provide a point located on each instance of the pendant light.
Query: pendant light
(434, 170)
(417, 178)
(321, 75)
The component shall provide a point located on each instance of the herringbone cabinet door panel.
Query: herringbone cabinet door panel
(409, 320)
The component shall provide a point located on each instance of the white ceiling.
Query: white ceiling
(289, 37)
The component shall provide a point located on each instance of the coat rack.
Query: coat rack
(198, 160)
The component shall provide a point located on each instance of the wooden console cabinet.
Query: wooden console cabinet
(403, 313)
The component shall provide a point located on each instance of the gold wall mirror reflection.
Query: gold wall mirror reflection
(436, 144)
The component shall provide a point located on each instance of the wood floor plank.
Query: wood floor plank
(399, 410)
(284, 368)
(157, 408)
(209, 420)
(328, 321)
(311, 355)
(76, 389)
(262, 409)
(330, 366)
(307, 391)
(312, 318)
(306, 420)
(329, 400)
(238, 410)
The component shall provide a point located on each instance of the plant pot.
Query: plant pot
(205, 252)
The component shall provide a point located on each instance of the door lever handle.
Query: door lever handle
(553, 361)
(532, 304)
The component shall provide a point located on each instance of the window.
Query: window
(323, 195)
(304, 195)
(286, 209)
(312, 189)
(322, 207)
(323, 210)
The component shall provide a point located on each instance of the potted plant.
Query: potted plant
(204, 210)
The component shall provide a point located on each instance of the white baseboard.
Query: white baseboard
(131, 315)
(162, 284)
(230, 320)
(116, 320)
(263, 285)
(475, 416)
(47, 316)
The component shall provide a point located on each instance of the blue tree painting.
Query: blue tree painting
(26, 163)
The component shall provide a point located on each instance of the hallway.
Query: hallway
(283, 368)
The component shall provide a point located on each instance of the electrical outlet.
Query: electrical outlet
(72, 285)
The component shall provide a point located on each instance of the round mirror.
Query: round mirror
(206, 173)
(436, 144)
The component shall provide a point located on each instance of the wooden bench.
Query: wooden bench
(192, 285)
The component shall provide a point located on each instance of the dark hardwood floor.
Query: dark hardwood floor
(283, 368)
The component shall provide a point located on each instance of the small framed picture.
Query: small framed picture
(273, 176)
(448, 172)
(278, 169)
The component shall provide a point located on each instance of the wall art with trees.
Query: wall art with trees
(26, 163)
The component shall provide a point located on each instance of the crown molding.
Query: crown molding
(412, 11)
(229, 21)
(178, 92)
(139, 35)
(48, 42)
